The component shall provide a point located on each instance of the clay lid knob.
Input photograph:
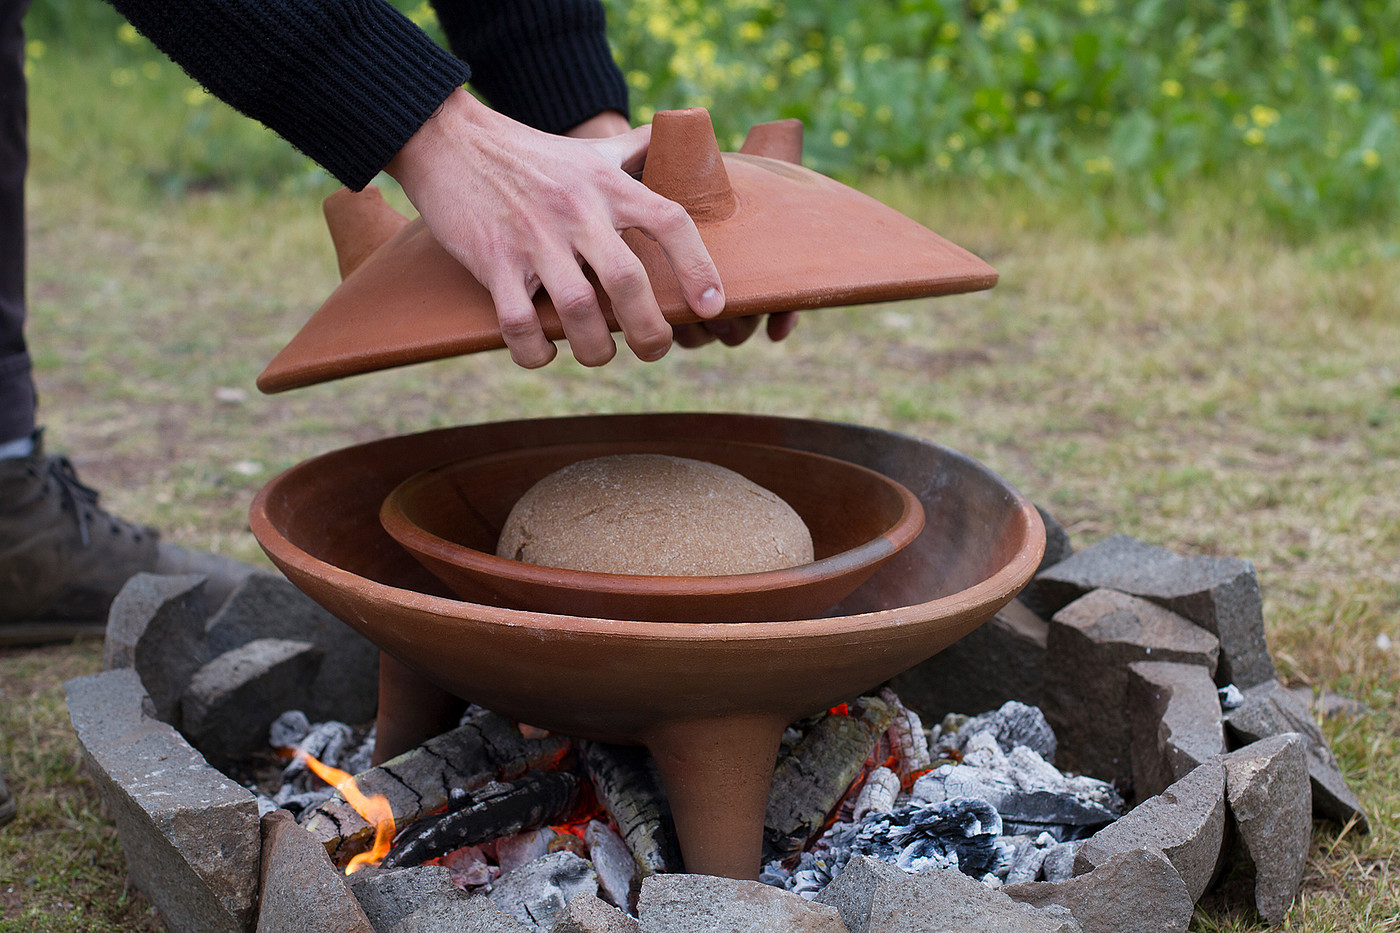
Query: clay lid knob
(684, 164)
(360, 222)
(779, 139)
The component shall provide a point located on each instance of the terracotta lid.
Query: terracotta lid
(783, 237)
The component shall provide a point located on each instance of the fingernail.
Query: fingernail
(711, 301)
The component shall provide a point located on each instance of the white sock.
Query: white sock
(22, 447)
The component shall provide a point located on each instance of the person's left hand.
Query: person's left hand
(732, 331)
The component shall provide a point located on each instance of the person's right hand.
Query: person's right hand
(521, 209)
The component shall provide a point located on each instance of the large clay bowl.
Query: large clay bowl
(451, 516)
(709, 699)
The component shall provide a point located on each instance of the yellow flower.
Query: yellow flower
(1088, 7)
(1010, 6)
(840, 139)
(1327, 64)
(1371, 159)
(1236, 13)
(127, 34)
(943, 160)
(196, 96)
(949, 31)
(1033, 98)
(1351, 32)
(750, 31)
(992, 23)
(1305, 25)
(1263, 116)
(34, 49)
(939, 62)
(955, 142)
(1345, 92)
(770, 82)
(1025, 41)
(1254, 136)
(884, 113)
(1098, 165)
(1171, 88)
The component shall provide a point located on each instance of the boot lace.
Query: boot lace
(78, 495)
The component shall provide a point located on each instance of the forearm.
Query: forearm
(347, 82)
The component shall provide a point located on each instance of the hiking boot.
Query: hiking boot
(8, 805)
(62, 558)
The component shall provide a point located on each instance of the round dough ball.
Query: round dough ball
(655, 515)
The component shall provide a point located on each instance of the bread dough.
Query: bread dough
(656, 515)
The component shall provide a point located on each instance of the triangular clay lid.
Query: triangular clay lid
(783, 237)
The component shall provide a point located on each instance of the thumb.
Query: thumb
(627, 151)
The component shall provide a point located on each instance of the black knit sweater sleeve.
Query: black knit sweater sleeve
(546, 63)
(349, 81)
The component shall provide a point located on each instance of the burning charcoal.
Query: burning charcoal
(1015, 724)
(537, 893)
(535, 800)
(907, 736)
(617, 871)
(470, 867)
(522, 848)
(625, 781)
(811, 780)
(878, 794)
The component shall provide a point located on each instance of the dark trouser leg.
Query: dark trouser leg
(17, 399)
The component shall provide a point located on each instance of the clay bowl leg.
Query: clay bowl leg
(717, 773)
(412, 710)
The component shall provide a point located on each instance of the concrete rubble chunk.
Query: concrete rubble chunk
(1174, 721)
(1137, 891)
(387, 897)
(469, 915)
(302, 892)
(231, 701)
(875, 897)
(1002, 659)
(1091, 642)
(1271, 709)
(265, 605)
(190, 835)
(707, 904)
(156, 626)
(586, 913)
(536, 893)
(1220, 594)
(1266, 786)
(1186, 822)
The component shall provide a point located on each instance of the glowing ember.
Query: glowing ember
(374, 808)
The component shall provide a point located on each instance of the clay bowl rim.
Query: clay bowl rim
(898, 535)
(1002, 585)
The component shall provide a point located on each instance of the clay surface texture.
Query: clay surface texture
(657, 515)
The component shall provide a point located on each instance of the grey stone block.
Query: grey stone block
(1220, 594)
(190, 835)
(231, 701)
(388, 897)
(1000, 660)
(1266, 786)
(1186, 822)
(876, 897)
(265, 605)
(1271, 709)
(1090, 645)
(302, 892)
(588, 914)
(469, 915)
(1175, 723)
(156, 626)
(706, 904)
(537, 892)
(1133, 892)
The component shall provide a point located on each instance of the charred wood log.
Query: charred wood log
(629, 789)
(486, 747)
(492, 811)
(814, 775)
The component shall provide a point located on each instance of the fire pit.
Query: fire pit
(708, 699)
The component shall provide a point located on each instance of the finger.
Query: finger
(624, 279)
(576, 302)
(675, 232)
(732, 331)
(691, 336)
(781, 324)
(520, 325)
(628, 151)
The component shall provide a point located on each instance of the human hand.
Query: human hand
(733, 331)
(521, 209)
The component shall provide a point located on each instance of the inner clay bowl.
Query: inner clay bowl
(450, 518)
(709, 700)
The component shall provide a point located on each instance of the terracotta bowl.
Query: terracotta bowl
(451, 516)
(709, 700)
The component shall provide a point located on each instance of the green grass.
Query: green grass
(1196, 380)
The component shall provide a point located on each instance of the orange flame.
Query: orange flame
(374, 808)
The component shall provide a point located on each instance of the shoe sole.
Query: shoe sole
(28, 634)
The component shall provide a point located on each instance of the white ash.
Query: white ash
(332, 743)
(995, 809)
